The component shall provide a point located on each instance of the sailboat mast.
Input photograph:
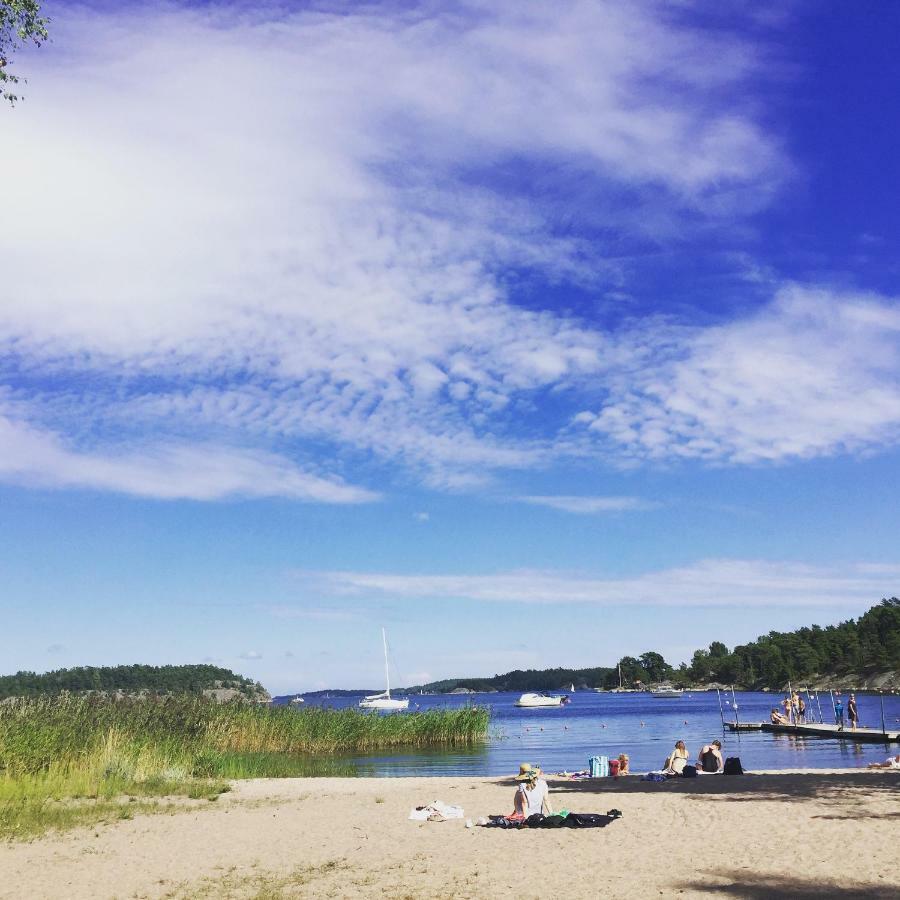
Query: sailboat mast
(387, 677)
(620, 676)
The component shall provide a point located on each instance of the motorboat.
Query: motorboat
(536, 700)
(384, 700)
(666, 692)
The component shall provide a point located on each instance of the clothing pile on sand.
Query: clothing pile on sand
(436, 811)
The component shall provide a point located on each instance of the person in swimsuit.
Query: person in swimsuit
(623, 764)
(852, 712)
(677, 760)
(801, 710)
(710, 758)
(777, 718)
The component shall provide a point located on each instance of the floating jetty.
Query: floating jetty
(870, 735)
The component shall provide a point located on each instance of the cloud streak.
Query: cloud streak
(589, 505)
(707, 583)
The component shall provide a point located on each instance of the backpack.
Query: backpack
(689, 772)
(733, 766)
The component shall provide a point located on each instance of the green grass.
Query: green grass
(95, 749)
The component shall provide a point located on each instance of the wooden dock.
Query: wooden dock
(870, 735)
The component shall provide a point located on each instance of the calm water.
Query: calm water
(609, 724)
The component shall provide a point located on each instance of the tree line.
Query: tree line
(870, 643)
(191, 679)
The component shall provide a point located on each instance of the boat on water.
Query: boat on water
(539, 699)
(384, 700)
(296, 701)
(666, 692)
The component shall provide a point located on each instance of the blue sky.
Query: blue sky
(539, 334)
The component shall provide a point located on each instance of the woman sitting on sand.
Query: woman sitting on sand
(710, 758)
(532, 793)
(623, 764)
(677, 760)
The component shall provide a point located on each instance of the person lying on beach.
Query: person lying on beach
(710, 758)
(778, 718)
(677, 760)
(892, 762)
(532, 792)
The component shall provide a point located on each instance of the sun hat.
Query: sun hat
(527, 772)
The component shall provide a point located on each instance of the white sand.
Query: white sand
(791, 835)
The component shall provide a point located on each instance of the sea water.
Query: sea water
(644, 727)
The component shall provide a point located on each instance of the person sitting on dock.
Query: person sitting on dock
(677, 760)
(777, 718)
(710, 758)
(852, 712)
(892, 762)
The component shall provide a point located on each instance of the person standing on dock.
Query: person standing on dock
(852, 712)
(839, 712)
(801, 710)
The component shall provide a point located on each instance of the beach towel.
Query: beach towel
(572, 820)
(599, 766)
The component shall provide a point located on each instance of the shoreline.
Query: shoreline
(719, 836)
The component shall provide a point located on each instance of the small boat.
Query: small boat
(384, 700)
(536, 700)
(297, 700)
(666, 692)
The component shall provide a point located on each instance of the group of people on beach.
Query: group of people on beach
(709, 759)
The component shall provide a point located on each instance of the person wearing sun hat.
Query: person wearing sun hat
(532, 795)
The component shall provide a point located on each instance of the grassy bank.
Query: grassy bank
(68, 759)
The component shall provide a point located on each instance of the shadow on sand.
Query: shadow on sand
(741, 788)
(746, 885)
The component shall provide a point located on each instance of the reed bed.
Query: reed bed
(180, 735)
(53, 749)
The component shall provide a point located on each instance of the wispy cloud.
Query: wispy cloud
(318, 252)
(250, 655)
(589, 505)
(710, 583)
(167, 471)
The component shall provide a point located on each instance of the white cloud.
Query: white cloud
(250, 655)
(588, 505)
(707, 583)
(166, 471)
(421, 516)
(816, 372)
(253, 225)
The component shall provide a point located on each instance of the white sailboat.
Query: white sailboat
(383, 700)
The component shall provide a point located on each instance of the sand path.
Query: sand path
(786, 835)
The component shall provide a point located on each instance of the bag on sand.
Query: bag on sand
(733, 766)
(689, 772)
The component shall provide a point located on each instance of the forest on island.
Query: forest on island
(192, 679)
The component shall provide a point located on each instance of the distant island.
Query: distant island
(860, 653)
(211, 681)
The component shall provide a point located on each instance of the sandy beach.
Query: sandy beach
(789, 834)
